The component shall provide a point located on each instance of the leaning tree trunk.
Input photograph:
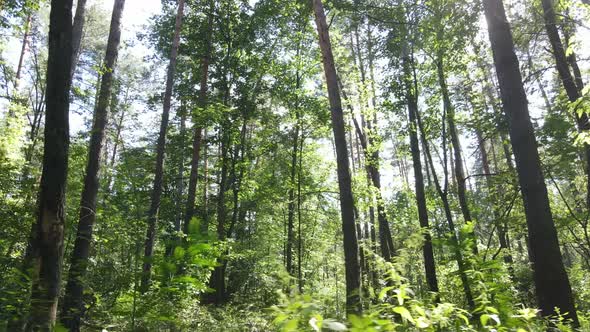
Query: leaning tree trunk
(73, 307)
(160, 150)
(551, 280)
(47, 238)
(23, 51)
(351, 259)
(568, 81)
(427, 252)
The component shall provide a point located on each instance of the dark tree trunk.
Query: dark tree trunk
(47, 236)
(73, 306)
(568, 81)
(551, 280)
(160, 155)
(198, 130)
(77, 32)
(427, 252)
(351, 259)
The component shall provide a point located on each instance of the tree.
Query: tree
(352, 266)
(412, 101)
(73, 307)
(198, 130)
(572, 85)
(160, 155)
(77, 33)
(552, 284)
(47, 237)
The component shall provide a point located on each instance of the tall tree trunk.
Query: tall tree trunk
(160, 154)
(573, 62)
(494, 194)
(374, 177)
(238, 176)
(217, 280)
(73, 307)
(366, 138)
(455, 142)
(444, 196)
(77, 32)
(47, 236)
(568, 81)
(291, 204)
(551, 280)
(293, 170)
(205, 221)
(351, 259)
(539, 83)
(181, 113)
(23, 52)
(299, 232)
(198, 130)
(427, 252)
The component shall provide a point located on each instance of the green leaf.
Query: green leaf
(383, 292)
(291, 325)
(464, 318)
(484, 319)
(405, 313)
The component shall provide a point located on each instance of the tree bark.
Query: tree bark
(77, 31)
(299, 232)
(217, 280)
(455, 142)
(568, 81)
(178, 218)
(552, 285)
(291, 204)
(427, 251)
(47, 237)
(198, 130)
(73, 307)
(366, 138)
(351, 259)
(23, 52)
(293, 174)
(444, 196)
(205, 221)
(160, 155)
(494, 194)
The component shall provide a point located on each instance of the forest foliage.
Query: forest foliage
(295, 165)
